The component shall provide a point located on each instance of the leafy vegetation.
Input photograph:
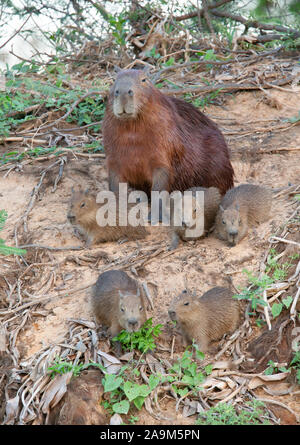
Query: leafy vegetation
(274, 369)
(23, 92)
(274, 272)
(295, 363)
(226, 414)
(62, 367)
(123, 391)
(185, 376)
(6, 250)
(143, 340)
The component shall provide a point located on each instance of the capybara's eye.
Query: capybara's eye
(141, 308)
(144, 79)
(223, 222)
(122, 309)
(117, 92)
(82, 204)
(187, 303)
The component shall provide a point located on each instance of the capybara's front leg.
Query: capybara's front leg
(160, 182)
(113, 181)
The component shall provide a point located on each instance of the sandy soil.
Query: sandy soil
(200, 265)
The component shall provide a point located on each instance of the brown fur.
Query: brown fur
(241, 207)
(164, 133)
(212, 199)
(117, 302)
(85, 218)
(207, 318)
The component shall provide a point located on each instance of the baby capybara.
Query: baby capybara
(117, 302)
(207, 318)
(211, 201)
(241, 207)
(157, 142)
(82, 214)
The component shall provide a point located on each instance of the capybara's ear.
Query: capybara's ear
(117, 69)
(221, 208)
(146, 70)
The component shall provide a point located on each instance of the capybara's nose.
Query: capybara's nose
(233, 232)
(172, 314)
(133, 323)
(71, 217)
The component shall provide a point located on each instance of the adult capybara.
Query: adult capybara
(157, 142)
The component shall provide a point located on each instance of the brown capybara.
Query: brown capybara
(207, 318)
(212, 199)
(241, 207)
(117, 302)
(157, 142)
(82, 214)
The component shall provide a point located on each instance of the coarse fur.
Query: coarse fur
(241, 208)
(82, 213)
(157, 142)
(207, 318)
(212, 199)
(117, 302)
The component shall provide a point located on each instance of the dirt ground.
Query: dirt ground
(270, 158)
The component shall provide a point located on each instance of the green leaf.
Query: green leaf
(200, 355)
(153, 381)
(144, 390)
(182, 392)
(276, 309)
(188, 379)
(139, 401)
(287, 301)
(208, 369)
(112, 382)
(121, 407)
(131, 390)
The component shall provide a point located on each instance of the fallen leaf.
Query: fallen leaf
(54, 391)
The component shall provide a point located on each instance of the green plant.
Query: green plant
(23, 92)
(258, 285)
(123, 391)
(295, 363)
(61, 367)
(226, 414)
(273, 368)
(279, 272)
(255, 291)
(6, 250)
(185, 375)
(203, 101)
(143, 339)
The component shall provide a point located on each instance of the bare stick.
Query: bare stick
(266, 307)
(16, 32)
(275, 402)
